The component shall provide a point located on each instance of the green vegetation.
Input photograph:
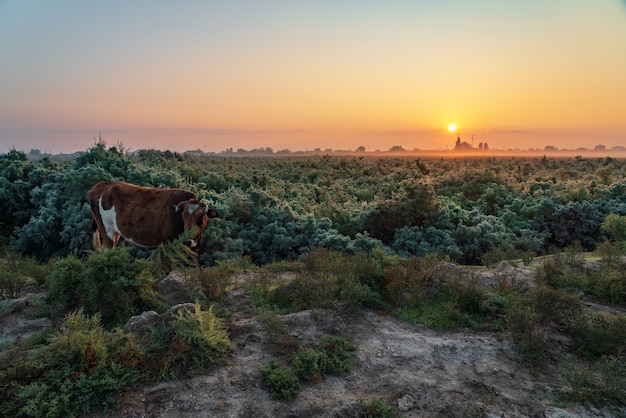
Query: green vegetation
(321, 233)
(475, 211)
(281, 381)
(84, 367)
(377, 408)
(188, 343)
(333, 355)
(110, 284)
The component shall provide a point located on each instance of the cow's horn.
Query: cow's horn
(177, 207)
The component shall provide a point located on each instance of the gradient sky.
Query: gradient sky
(299, 75)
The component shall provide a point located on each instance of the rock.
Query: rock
(504, 266)
(405, 403)
(138, 323)
(174, 289)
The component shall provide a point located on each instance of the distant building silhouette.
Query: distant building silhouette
(466, 146)
(462, 146)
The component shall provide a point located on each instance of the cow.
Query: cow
(145, 216)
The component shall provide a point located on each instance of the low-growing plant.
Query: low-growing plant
(236, 265)
(607, 285)
(338, 353)
(356, 294)
(81, 369)
(377, 408)
(211, 282)
(281, 381)
(11, 285)
(191, 341)
(466, 294)
(603, 383)
(65, 282)
(526, 327)
(492, 257)
(37, 338)
(438, 314)
(17, 272)
(275, 293)
(272, 323)
(611, 254)
(309, 363)
(573, 256)
(556, 306)
(414, 281)
(600, 333)
(552, 273)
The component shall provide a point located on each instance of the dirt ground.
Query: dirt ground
(419, 371)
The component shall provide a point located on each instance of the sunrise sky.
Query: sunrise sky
(300, 75)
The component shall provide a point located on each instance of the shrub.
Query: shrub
(17, 272)
(414, 282)
(308, 363)
(272, 323)
(192, 340)
(211, 283)
(601, 384)
(615, 226)
(175, 254)
(82, 368)
(524, 323)
(65, 282)
(611, 253)
(377, 408)
(338, 355)
(281, 382)
(600, 333)
(108, 283)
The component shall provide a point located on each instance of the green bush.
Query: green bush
(338, 354)
(281, 382)
(603, 383)
(81, 369)
(322, 280)
(600, 333)
(108, 283)
(615, 226)
(525, 324)
(272, 323)
(308, 363)
(333, 355)
(175, 254)
(17, 272)
(192, 340)
(377, 408)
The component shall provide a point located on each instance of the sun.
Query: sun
(452, 127)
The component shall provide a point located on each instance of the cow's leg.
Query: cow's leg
(95, 242)
(107, 243)
(116, 238)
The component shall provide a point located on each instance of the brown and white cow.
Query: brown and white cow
(145, 216)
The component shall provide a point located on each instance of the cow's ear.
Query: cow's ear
(181, 206)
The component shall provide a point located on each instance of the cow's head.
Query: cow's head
(195, 213)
